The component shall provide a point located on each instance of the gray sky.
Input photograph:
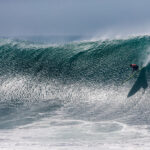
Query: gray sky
(67, 17)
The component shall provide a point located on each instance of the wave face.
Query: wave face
(79, 86)
(99, 61)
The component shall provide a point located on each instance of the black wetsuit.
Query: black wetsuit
(134, 67)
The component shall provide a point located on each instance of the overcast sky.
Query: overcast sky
(73, 17)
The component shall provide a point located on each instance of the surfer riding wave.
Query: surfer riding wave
(134, 67)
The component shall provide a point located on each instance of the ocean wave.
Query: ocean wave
(99, 61)
(80, 78)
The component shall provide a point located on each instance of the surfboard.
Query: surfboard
(132, 75)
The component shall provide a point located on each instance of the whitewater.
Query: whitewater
(72, 96)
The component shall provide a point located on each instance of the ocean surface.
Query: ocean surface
(72, 95)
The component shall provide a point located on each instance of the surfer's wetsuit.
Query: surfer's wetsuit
(134, 67)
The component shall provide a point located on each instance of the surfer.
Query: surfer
(134, 67)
